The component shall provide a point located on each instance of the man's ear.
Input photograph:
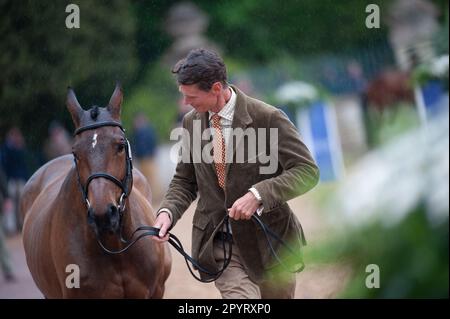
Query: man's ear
(217, 88)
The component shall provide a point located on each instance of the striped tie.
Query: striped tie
(219, 150)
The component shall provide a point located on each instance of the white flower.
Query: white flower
(439, 66)
(296, 92)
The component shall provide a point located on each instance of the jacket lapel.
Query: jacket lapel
(203, 118)
(241, 119)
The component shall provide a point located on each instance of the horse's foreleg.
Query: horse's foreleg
(159, 291)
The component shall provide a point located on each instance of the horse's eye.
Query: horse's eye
(120, 148)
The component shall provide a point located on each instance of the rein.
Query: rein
(126, 185)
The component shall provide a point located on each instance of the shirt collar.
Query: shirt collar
(227, 111)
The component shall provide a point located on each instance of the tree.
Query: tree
(40, 57)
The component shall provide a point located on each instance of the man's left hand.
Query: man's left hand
(244, 207)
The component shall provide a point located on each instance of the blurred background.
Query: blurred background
(365, 82)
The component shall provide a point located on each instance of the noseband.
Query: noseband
(125, 185)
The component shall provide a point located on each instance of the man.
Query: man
(236, 182)
(4, 255)
(13, 154)
(145, 145)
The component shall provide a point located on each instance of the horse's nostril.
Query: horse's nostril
(112, 209)
(91, 216)
(113, 214)
(108, 221)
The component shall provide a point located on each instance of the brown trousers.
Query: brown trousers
(234, 283)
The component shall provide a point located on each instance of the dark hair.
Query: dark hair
(201, 67)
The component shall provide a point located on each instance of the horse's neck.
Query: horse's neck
(72, 200)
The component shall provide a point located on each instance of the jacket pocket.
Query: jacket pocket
(200, 224)
(283, 223)
(200, 221)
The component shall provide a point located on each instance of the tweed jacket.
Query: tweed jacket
(293, 172)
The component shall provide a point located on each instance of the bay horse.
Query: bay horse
(93, 195)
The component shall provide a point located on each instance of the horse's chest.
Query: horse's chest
(115, 280)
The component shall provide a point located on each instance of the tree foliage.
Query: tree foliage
(40, 57)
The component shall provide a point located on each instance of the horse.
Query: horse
(388, 88)
(76, 202)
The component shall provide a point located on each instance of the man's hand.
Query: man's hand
(163, 223)
(244, 207)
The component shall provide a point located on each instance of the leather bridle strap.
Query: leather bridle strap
(107, 176)
(97, 125)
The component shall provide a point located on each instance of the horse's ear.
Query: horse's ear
(74, 107)
(115, 103)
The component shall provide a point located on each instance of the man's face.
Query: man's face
(200, 100)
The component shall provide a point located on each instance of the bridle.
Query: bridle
(125, 185)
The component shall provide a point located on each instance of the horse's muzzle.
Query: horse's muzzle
(109, 222)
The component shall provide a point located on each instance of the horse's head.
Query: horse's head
(102, 160)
